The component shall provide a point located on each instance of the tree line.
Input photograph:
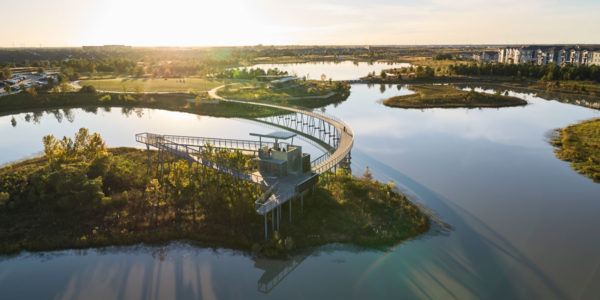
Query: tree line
(545, 72)
(109, 193)
(249, 74)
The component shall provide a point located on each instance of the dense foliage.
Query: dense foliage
(428, 96)
(5, 72)
(79, 194)
(544, 72)
(250, 74)
(580, 145)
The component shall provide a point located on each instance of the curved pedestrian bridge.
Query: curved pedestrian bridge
(278, 190)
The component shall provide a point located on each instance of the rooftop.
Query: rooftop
(283, 135)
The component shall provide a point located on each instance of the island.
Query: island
(81, 194)
(580, 145)
(448, 96)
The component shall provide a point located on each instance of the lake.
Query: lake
(515, 222)
(342, 70)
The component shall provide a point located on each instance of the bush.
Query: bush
(88, 89)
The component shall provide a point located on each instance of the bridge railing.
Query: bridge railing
(334, 159)
(201, 157)
(217, 142)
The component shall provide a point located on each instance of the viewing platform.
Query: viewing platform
(284, 171)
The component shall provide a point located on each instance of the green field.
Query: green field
(139, 85)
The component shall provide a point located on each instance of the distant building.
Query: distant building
(595, 60)
(542, 55)
(486, 56)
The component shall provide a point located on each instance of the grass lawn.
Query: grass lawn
(429, 96)
(172, 85)
(580, 145)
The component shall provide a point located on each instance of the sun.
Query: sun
(173, 23)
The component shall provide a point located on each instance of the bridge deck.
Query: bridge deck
(279, 189)
(346, 135)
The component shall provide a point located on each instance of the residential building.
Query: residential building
(486, 56)
(542, 55)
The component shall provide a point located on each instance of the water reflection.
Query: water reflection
(588, 101)
(275, 271)
(524, 225)
(474, 261)
(119, 126)
(339, 70)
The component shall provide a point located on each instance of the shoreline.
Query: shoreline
(308, 230)
(448, 96)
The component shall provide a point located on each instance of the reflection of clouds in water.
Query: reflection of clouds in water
(474, 261)
(343, 70)
(510, 125)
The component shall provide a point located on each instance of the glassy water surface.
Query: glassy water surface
(342, 70)
(522, 224)
(118, 127)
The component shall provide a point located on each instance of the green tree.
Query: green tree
(4, 196)
(154, 198)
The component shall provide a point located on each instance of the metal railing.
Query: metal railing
(315, 162)
(200, 157)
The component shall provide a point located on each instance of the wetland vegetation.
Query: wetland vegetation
(430, 96)
(81, 194)
(580, 145)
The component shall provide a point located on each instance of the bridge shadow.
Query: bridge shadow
(472, 261)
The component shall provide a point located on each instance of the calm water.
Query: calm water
(522, 223)
(118, 127)
(343, 70)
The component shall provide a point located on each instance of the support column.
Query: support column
(162, 161)
(149, 159)
(291, 211)
(266, 237)
(302, 203)
(273, 220)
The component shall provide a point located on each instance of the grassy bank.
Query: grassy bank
(149, 85)
(580, 145)
(430, 96)
(302, 93)
(175, 102)
(82, 195)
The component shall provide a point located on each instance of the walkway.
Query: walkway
(279, 190)
(346, 134)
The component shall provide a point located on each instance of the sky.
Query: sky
(35, 23)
